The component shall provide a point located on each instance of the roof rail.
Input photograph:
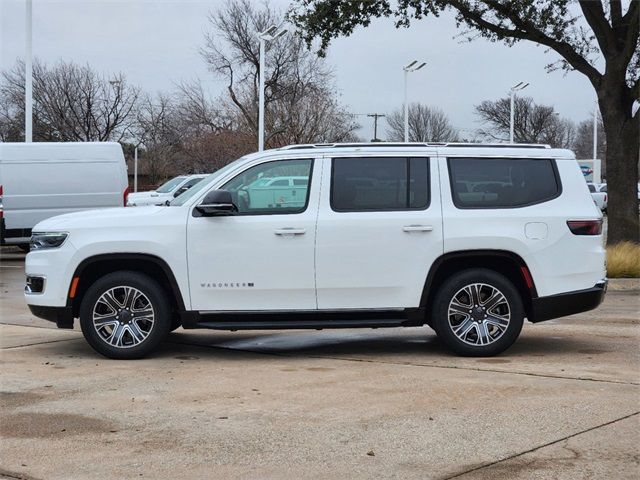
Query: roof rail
(413, 144)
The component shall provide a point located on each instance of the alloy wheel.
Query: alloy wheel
(479, 314)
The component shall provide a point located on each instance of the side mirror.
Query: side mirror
(180, 191)
(216, 203)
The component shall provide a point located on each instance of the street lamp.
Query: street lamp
(28, 75)
(595, 130)
(268, 35)
(514, 89)
(409, 68)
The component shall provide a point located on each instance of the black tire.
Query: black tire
(152, 298)
(476, 321)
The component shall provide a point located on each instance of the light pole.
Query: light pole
(595, 130)
(409, 68)
(268, 35)
(28, 75)
(514, 89)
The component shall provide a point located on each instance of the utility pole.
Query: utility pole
(375, 124)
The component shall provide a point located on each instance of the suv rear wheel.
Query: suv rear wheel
(125, 315)
(478, 312)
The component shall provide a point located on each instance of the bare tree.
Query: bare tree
(208, 152)
(72, 102)
(300, 103)
(533, 123)
(158, 131)
(198, 113)
(426, 124)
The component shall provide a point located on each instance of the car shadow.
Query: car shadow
(414, 345)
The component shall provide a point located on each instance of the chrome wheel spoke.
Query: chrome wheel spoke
(115, 338)
(130, 295)
(474, 294)
(136, 334)
(458, 307)
(498, 321)
(104, 320)
(110, 301)
(463, 328)
(483, 334)
(147, 312)
(494, 300)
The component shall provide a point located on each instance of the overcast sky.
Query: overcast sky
(155, 43)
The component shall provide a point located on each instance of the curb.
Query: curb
(624, 285)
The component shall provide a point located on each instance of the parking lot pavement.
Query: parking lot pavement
(562, 403)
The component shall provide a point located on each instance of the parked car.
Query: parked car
(275, 192)
(468, 239)
(166, 192)
(603, 188)
(41, 180)
(599, 197)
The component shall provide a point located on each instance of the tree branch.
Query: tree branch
(525, 30)
(594, 14)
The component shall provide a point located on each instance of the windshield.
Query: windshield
(170, 185)
(182, 199)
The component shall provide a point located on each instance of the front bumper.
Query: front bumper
(563, 304)
(62, 316)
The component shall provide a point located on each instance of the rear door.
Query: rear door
(379, 231)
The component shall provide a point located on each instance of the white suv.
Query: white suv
(469, 239)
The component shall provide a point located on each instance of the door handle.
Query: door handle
(417, 228)
(290, 231)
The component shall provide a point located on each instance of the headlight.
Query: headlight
(47, 240)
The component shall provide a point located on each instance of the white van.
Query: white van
(41, 180)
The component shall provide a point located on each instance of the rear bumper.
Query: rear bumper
(61, 316)
(563, 304)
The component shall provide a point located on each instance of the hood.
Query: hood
(105, 217)
(141, 195)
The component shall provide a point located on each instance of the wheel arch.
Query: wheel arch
(507, 263)
(92, 268)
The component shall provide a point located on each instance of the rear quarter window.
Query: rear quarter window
(502, 182)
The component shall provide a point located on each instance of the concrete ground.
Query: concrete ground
(563, 403)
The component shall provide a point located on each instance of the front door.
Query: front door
(379, 231)
(262, 258)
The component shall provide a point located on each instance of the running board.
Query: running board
(293, 324)
(303, 319)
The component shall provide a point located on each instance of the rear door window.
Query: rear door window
(502, 182)
(379, 184)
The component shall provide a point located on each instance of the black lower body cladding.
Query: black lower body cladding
(563, 304)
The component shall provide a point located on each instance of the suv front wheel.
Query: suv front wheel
(125, 315)
(478, 312)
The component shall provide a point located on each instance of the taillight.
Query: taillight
(125, 196)
(585, 227)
